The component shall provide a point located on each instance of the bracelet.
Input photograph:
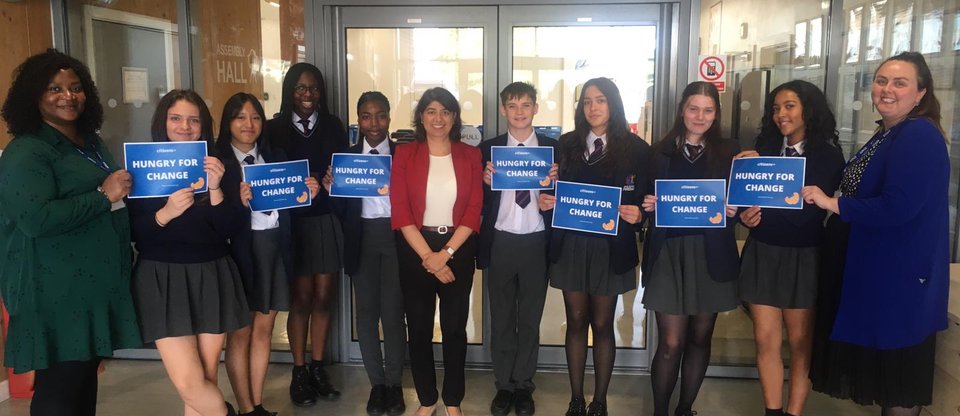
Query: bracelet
(157, 219)
(213, 189)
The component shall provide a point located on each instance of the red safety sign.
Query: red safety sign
(712, 70)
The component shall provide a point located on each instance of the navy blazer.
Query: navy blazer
(349, 210)
(897, 277)
(491, 200)
(720, 244)
(241, 244)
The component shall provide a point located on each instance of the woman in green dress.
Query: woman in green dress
(64, 236)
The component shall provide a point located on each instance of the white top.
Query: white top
(511, 218)
(376, 207)
(441, 192)
(258, 220)
(592, 138)
(798, 147)
(313, 121)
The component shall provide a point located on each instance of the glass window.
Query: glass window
(854, 25)
(932, 31)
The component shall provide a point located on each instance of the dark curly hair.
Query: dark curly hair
(820, 125)
(231, 109)
(158, 127)
(21, 109)
(448, 101)
(573, 145)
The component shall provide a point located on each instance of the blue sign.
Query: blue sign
(360, 175)
(585, 207)
(279, 185)
(767, 182)
(696, 203)
(162, 168)
(521, 168)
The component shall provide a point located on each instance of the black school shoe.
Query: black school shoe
(301, 391)
(578, 407)
(597, 409)
(523, 403)
(376, 404)
(395, 404)
(502, 402)
(321, 383)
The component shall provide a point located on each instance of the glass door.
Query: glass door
(475, 51)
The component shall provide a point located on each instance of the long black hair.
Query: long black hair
(673, 141)
(290, 81)
(929, 105)
(820, 125)
(231, 109)
(573, 145)
(21, 110)
(448, 101)
(158, 126)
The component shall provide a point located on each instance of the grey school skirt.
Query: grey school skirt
(584, 266)
(317, 244)
(784, 277)
(268, 289)
(175, 299)
(680, 282)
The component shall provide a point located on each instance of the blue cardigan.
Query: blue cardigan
(896, 277)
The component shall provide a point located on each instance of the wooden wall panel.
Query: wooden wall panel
(24, 31)
(292, 32)
(230, 51)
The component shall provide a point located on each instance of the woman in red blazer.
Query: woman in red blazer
(436, 196)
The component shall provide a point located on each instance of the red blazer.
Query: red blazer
(408, 185)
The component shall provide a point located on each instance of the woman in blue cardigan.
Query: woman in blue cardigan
(896, 277)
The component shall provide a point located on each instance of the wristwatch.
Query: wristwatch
(100, 189)
(449, 250)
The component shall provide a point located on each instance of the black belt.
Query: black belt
(443, 229)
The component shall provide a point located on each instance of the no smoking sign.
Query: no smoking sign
(712, 69)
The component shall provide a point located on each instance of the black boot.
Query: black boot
(301, 390)
(395, 404)
(578, 407)
(597, 409)
(377, 403)
(321, 382)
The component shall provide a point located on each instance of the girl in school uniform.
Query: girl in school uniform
(689, 273)
(780, 260)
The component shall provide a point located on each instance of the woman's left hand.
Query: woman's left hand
(435, 261)
(630, 213)
(445, 275)
(814, 195)
(313, 186)
(214, 170)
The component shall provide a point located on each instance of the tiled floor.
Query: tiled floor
(142, 388)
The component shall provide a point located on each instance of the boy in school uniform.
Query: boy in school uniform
(517, 284)
(370, 259)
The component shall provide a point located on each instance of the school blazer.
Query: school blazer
(349, 210)
(408, 185)
(241, 244)
(491, 200)
(720, 244)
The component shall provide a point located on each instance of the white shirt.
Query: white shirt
(258, 220)
(441, 191)
(313, 122)
(592, 138)
(798, 147)
(376, 207)
(511, 218)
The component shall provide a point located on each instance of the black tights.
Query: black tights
(66, 388)
(900, 411)
(686, 339)
(585, 311)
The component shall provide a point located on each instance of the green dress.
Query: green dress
(64, 255)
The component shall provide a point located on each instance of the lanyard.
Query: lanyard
(98, 162)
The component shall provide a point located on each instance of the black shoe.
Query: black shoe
(578, 407)
(687, 412)
(321, 383)
(376, 404)
(260, 411)
(523, 403)
(230, 410)
(394, 404)
(502, 403)
(597, 409)
(301, 391)
(773, 412)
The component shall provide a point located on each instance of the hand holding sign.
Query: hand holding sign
(177, 204)
(117, 185)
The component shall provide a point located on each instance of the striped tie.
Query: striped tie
(523, 197)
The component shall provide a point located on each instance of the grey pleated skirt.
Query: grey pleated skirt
(584, 266)
(784, 277)
(268, 289)
(317, 244)
(174, 299)
(680, 282)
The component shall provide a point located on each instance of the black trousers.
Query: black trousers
(66, 388)
(420, 292)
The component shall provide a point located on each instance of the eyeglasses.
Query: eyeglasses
(300, 89)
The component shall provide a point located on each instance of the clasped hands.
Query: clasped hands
(435, 263)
